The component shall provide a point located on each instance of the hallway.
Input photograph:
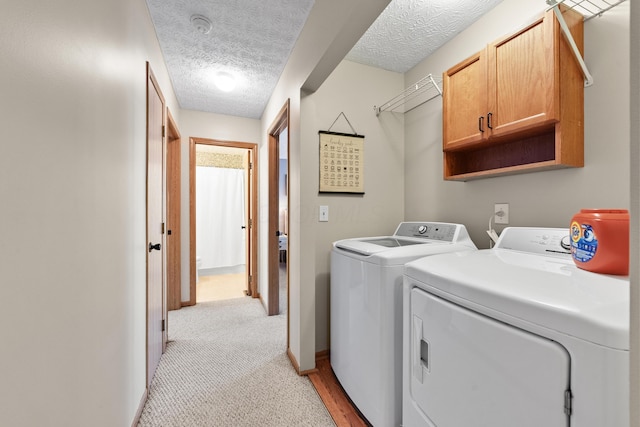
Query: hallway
(225, 365)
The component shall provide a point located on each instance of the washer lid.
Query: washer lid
(544, 290)
(374, 245)
(379, 250)
(410, 240)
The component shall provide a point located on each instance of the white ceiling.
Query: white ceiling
(410, 30)
(252, 39)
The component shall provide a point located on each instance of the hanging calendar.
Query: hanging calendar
(341, 163)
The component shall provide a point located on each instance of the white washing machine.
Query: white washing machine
(366, 311)
(514, 336)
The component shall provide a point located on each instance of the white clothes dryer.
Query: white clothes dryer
(514, 336)
(366, 311)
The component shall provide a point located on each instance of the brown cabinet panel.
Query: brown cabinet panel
(465, 107)
(523, 78)
(517, 106)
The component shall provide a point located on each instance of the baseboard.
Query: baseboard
(293, 361)
(296, 366)
(320, 355)
(308, 371)
(136, 418)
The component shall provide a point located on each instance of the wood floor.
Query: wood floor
(220, 286)
(344, 414)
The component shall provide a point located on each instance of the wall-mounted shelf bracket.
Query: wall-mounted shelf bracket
(588, 78)
(426, 86)
(589, 9)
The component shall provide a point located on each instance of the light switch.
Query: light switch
(324, 214)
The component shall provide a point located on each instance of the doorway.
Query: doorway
(223, 202)
(279, 242)
(283, 219)
(173, 200)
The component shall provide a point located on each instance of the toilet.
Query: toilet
(198, 265)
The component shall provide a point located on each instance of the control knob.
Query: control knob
(422, 229)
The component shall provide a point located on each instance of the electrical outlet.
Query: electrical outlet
(323, 214)
(501, 213)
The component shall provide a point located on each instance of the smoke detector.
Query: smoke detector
(201, 23)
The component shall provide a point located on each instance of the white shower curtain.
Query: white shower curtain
(220, 215)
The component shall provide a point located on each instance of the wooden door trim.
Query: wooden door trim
(192, 224)
(280, 123)
(173, 267)
(253, 212)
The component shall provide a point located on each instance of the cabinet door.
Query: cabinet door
(522, 78)
(464, 103)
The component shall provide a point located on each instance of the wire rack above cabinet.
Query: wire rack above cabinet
(415, 95)
(588, 9)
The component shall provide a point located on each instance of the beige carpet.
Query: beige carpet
(225, 365)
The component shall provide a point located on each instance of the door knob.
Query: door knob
(152, 246)
(243, 227)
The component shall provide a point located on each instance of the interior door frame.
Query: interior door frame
(252, 240)
(280, 123)
(173, 200)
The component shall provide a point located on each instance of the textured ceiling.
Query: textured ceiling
(410, 30)
(252, 39)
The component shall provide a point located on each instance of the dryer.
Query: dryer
(515, 335)
(366, 311)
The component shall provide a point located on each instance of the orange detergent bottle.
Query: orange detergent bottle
(600, 240)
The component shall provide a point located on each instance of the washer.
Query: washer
(515, 335)
(366, 311)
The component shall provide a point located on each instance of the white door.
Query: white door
(470, 370)
(155, 249)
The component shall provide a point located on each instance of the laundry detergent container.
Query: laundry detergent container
(600, 240)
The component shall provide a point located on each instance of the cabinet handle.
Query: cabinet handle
(480, 121)
(489, 115)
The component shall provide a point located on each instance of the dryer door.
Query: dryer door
(470, 370)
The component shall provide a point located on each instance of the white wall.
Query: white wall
(333, 27)
(73, 187)
(198, 124)
(353, 89)
(535, 199)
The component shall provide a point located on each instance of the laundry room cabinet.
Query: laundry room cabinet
(465, 103)
(517, 105)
